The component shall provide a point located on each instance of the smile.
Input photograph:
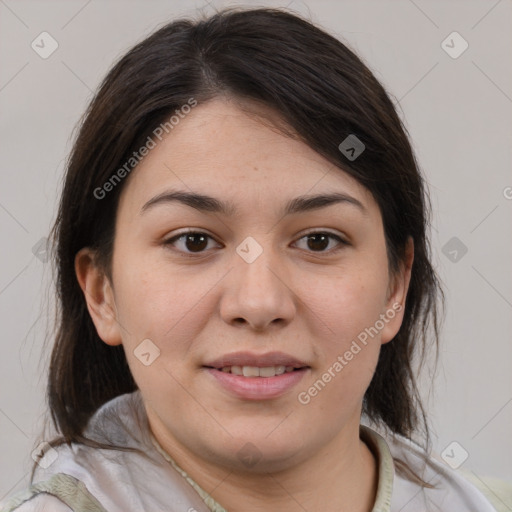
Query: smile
(256, 376)
(254, 371)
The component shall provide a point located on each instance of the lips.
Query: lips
(247, 359)
(252, 376)
(255, 371)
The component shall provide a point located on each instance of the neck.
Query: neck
(327, 483)
(341, 477)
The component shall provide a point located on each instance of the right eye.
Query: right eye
(191, 242)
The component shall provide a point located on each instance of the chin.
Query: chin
(260, 453)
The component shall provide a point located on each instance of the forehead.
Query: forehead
(225, 150)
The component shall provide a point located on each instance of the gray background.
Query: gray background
(457, 111)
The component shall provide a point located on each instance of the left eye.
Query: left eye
(320, 240)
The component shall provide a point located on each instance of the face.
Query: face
(292, 294)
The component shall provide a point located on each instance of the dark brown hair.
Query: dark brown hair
(324, 93)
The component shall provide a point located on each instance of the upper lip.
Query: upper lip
(259, 360)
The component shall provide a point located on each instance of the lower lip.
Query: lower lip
(258, 388)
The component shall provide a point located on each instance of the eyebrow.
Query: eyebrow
(206, 203)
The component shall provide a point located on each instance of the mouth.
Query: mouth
(257, 376)
(256, 371)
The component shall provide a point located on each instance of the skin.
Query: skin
(305, 299)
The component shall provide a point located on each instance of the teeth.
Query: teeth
(254, 371)
(251, 371)
(269, 371)
(237, 370)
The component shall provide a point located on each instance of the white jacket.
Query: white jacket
(95, 480)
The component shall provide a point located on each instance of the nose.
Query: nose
(258, 294)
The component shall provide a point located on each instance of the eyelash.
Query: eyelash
(175, 238)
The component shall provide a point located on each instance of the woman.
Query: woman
(243, 273)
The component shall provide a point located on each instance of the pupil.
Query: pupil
(201, 246)
(324, 243)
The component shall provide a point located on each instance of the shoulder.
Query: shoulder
(74, 477)
(60, 493)
(136, 479)
(497, 491)
(451, 490)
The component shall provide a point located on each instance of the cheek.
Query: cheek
(347, 363)
(347, 308)
(156, 302)
(347, 303)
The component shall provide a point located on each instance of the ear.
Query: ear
(393, 312)
(99, 295)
